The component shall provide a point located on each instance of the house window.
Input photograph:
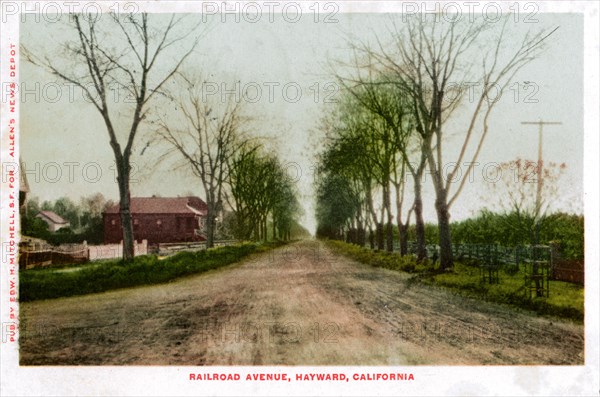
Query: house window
(113, 222)
(158, 222)
(136, 222)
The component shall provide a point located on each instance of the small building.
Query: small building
(55, 222)
(159, 220)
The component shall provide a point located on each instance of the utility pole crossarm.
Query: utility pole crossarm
(541, 122)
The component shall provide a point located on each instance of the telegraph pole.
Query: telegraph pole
(536, 262)
(540, 124)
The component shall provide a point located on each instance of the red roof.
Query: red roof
(163, 205)
(53, 217)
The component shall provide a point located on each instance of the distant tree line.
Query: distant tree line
(85, 219)
(261, 189)
(237, 174)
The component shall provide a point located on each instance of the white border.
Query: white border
(438, 380)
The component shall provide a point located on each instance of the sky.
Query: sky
(64, 142)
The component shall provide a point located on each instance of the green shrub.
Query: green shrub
(511, 270)
(114, 274)
(508, 229)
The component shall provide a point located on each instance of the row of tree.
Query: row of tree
(145, 59)
(260, 186)
(79, 215)
(399, 96)
(210, 138)
(85, 218)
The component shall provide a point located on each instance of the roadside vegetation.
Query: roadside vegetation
(102, 276)
(566, 230)
(85, 219)
(565, 300)
(510, 229)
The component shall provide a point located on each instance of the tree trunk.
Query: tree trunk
(389, 236)
(265, 229)
(380, 236)
(373, 235)
(446, 258)
(360, 239)
(390, 220)
(125, 210)
(209, 226)
(257, 230)
(402, 228)
(419, 223)
(403, 237)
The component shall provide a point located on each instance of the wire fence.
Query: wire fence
(539, 263)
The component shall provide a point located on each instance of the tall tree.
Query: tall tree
(348, 163)
(394, 106)
(430, 59)
(128, 57)
(259, 186)
(242, 182)
(206, 135)
(67, 209)
(285, 207)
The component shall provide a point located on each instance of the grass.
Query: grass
(566, 300)
(148, 269)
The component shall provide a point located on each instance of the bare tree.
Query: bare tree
(206, 139)
(514, 189)
(431, 60)
(121, 54)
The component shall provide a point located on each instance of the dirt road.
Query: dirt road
(297, 305)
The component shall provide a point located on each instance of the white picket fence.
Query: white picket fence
(87, 252)
(165, 249)
(115, 251)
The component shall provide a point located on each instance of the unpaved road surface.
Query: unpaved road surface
(297, 305)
